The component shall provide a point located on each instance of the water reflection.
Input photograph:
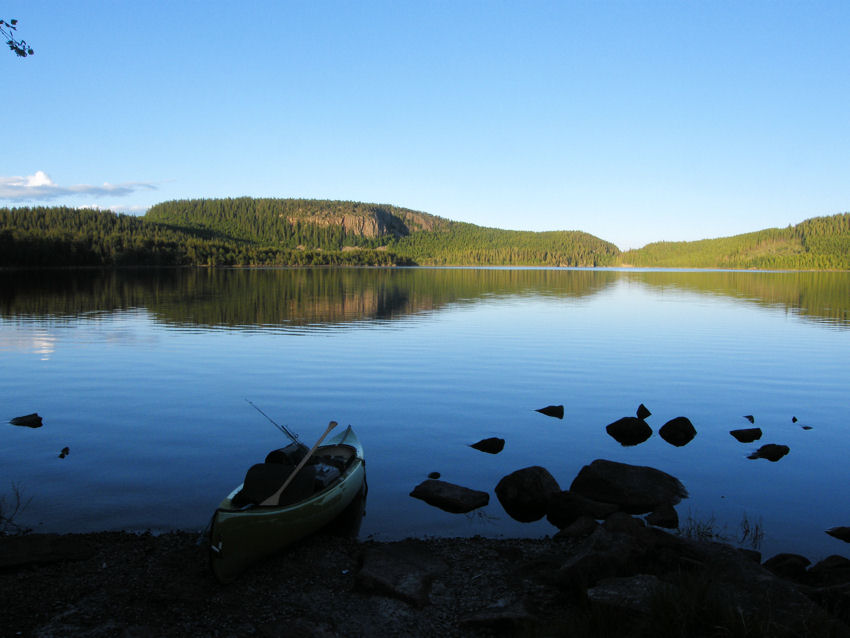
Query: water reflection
(310, 299)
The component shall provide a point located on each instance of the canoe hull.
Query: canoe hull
(241, 537)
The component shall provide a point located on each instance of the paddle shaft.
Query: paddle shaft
(273, 499)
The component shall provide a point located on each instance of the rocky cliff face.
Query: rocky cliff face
(375, 223)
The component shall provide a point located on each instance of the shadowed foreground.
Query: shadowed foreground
(119, 584)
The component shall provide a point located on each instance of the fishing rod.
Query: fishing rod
(282, 428)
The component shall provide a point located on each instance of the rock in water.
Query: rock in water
(636, 489)
(629, 431)
(449, 497)
(747, 435)
(750, 418)
(643, 412)
(679, 431)
(556, 411)
(841, 533)
(28, 420)
(492, 445)
(525, 493)
(771, 451)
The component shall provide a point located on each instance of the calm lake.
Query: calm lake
(144, 376)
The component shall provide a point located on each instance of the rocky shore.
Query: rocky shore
(620, 578)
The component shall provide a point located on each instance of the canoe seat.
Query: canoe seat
(263, 479)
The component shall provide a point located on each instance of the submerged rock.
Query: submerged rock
(556, 411)
(629, 431)
(746, 435)
(492, 445)
(636, 489)
(679, 431)
(771, 451)
(525, 494)
(449, 497)
(28, 420)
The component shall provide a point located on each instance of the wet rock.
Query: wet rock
(747, 435)
(786, 565)
(750, 418)
(434, 475)
(28, 421)
(664, 516)
(525, 494)
(679, 431)
(806, 427)
(771, 451)
(492, 445)
(793, 419)
(556, 411)
(636, 489)
(64, 452)
(630, 594)
(841, 533)
(643, 412)
(18, 551)
(403, 570)
(629, 431)
(450, 497)
(566, 507)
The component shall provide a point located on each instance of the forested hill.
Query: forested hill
(281, 232)
(411, 236)
(820, 243)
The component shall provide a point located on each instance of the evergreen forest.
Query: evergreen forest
(298, 232)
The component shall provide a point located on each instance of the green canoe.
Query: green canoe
(241, 533)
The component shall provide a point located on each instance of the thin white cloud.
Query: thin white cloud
(40, 187)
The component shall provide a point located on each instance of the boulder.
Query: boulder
(629, 431)
(556, 411)
(450, 497)
(636, 489)
(664, 516)
(580, 528)
(832, 570)
(679, 431)
(771, 451)
(525, 493)
(492, 445)
(643, 412)
(746, 435)
(791, 566)
(842, 533)
(622, 523)
(566, 507)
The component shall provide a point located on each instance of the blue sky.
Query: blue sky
(634, 121)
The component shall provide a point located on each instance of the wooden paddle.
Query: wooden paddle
(273, 499)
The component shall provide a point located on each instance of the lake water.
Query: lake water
(144, 376)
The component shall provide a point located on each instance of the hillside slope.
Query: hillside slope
(412, 236)
(820, 243)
